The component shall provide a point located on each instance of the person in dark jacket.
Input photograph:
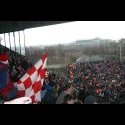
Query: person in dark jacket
(90, 100)
(67, 91)
(7, 89)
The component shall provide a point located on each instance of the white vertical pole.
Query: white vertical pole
(120, 51)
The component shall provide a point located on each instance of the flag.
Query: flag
(31, 83)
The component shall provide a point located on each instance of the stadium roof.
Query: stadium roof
(10, 26)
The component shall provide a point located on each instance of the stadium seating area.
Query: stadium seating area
(18, 64)
(99, 82)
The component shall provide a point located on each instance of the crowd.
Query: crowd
(12, 67)
(100, 82)
(18, 64)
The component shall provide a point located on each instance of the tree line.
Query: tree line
(65, 54)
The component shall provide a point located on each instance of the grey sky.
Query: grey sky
(64, 33)
(68, 32)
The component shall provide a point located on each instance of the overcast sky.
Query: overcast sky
(78, 30)
(68, 32)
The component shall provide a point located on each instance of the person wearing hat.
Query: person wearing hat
(7, 89)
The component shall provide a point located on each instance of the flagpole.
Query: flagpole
(14, 40)
(19, 42)
(120, 51)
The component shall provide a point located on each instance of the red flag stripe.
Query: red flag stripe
(31, 83)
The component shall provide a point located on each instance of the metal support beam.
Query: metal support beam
(5, 39)
(14, 41)
(19, 41)
(9, 40)
(120, 51)
(24, 42)
(0, 40)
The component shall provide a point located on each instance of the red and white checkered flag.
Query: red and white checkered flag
(31, 83)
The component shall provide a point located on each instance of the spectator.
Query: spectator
(68, 99)
(7, 89)
(90, 100)
(67, 90)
